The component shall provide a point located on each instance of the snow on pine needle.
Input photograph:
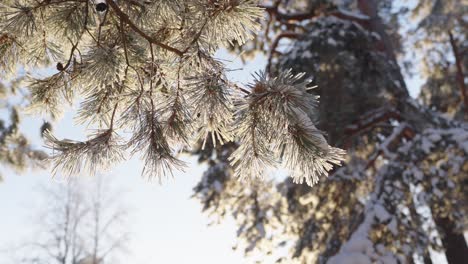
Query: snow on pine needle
(275, 126)
(102, 150)
(212, 105)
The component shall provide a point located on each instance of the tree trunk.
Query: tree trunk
(454, 243)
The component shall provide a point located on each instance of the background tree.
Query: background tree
(80, 222)
(16, 151)
(441, 34)
(401, 154)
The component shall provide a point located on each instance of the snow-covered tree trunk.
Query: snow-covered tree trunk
(454, 243)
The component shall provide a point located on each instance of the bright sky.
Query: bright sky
(166, 225)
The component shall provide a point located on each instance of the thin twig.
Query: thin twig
(135, 28)
(460, 78)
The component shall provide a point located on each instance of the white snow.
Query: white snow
(426, 145)
(392, 226)
(217, 186)
(381, 213)
(353, 14)
(350, 258)
(306, 54)
(332, 42)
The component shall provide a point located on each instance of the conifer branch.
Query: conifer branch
(127, 20)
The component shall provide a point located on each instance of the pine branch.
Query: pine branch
(127, 20)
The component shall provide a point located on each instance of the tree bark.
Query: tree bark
(460, 75)
(456, 249)
(455, 245)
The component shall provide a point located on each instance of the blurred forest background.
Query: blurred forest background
(402, 194)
